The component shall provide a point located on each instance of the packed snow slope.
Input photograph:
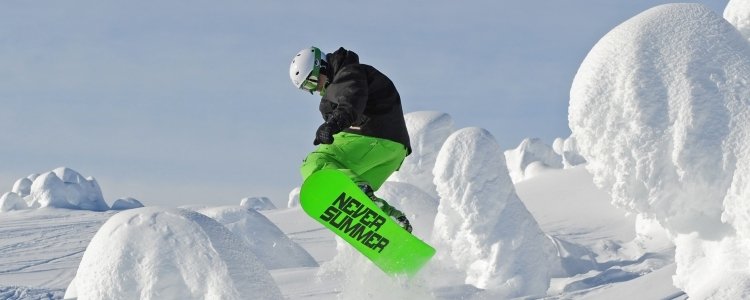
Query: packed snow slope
(660, 109)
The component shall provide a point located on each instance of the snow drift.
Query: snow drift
(482, 228)
(156, 253)
(660, 111)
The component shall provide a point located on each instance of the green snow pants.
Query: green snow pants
(364, 159)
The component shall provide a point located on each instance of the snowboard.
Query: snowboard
(334, 200)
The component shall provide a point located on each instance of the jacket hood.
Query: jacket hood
(341, 58)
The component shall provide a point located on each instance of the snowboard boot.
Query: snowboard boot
(393, 212)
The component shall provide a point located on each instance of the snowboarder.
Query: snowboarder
(364, 133)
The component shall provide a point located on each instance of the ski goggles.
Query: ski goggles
(310, 84)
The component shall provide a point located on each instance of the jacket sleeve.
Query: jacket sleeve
(349, 92)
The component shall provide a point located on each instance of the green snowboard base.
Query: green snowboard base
(331, 198)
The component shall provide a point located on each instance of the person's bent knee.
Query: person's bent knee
(317, 161)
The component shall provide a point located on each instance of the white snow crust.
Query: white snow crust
(660, 110)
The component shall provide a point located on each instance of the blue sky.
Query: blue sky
(180, 102)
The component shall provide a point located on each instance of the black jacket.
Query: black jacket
(362, 100)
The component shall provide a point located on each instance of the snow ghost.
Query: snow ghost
(482, 228)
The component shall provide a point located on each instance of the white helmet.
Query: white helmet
(305, 68)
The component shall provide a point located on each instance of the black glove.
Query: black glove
(325, 133)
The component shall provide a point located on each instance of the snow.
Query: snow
(293, 198)
(126, 203)
(482, 228)
(659, 109)
(61, 188)
(12, 201)
(534, 153)
(257, 203)
(737, 12)
(65, 188)
(427, 132)
(568, 149)
(157, 253)
(22, 186)
(264, 239)
(645, 200)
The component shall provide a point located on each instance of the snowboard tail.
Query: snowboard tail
(331, 198)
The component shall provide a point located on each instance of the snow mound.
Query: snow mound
(660, 111)
(427, 132)
(737, 12)
(257, 203)
(12, 201)
(126, 203)
(527, 153)
(274, 249)
(157, 253)
(482, 228)
(63, 188)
